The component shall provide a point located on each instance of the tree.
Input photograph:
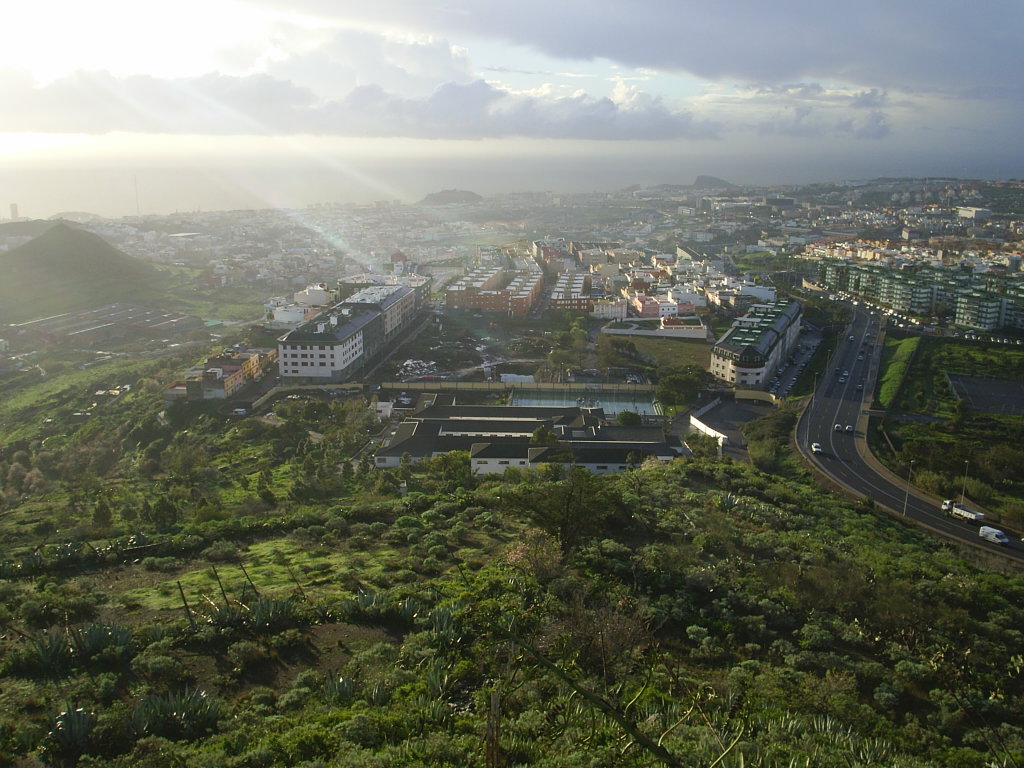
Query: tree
(574, 507)
(678, 385)
(102, 516)
(628, 419)
(543, 435)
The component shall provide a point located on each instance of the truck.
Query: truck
(988, 533)
(960, 512)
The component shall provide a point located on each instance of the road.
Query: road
(843, 399)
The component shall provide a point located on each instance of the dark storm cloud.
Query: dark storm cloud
(911, 44)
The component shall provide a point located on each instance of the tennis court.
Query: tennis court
(988, 395)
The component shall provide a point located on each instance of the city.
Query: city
(516, 385)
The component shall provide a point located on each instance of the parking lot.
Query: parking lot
(786, 377)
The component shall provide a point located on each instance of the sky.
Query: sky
(121, 106)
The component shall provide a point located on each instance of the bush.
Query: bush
(222, 551)
(158, 669)
(163, 564)
(245, 654)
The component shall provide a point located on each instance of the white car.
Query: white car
(815, 447)
(839, 427)
(849, 427)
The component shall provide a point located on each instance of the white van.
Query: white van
(988, 533)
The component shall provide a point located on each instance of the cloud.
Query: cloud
(807, 122)
(97, 102)
(406, 65)
(907, 45)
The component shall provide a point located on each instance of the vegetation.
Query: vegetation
(955, 450)
(185, 588)
(66, 269)
(669, 614)
(897, 356)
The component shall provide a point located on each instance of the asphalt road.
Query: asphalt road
(844, 455)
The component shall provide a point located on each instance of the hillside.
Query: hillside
(32, 228)
(451, 197)
(277, 612)
(65, 269)
(712, 182)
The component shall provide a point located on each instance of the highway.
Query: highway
(842, 398)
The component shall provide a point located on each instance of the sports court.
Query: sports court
(613, 401)
(988, 395)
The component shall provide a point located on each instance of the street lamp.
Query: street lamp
(963, 491)
(906, 496)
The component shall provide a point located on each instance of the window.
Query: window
(503, 462)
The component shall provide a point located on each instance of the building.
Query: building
(222, 377)
(318, 295)
(338, 344)
(493, 289)
(572, 291)
(610, 309)
(977, 300)
(750, 352)
(499, 437)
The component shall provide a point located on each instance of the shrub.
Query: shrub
(186, 714)
(246, 654)
(222, 551)
(156, 668)
(163, 564)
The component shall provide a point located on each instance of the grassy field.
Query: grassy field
(674, 351)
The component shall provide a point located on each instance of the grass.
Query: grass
(54, 396)
(897, 356)
(674, 351)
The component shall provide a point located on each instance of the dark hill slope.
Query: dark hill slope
(451, 197)
(66, 269)
(31, 228)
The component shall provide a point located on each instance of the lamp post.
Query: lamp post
(963, 491)
(906, 496)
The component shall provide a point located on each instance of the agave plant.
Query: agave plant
(442, 625)
(407, 610)
(31, 564)
(269, 614)
(66, 555)
(113, 642)
(380, 694)
(339, 688)
(437, 678)
(185, 714)
(50, 654)
(71, 735)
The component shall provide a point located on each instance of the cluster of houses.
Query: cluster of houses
(605, 280)
(222, 377)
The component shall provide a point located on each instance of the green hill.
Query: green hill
(66, 269)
